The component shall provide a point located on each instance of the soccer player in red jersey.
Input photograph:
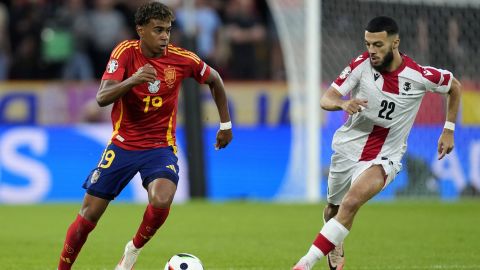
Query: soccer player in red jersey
(386, 88)
(142, 80)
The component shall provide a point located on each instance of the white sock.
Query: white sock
(334, 232)
(313, 255)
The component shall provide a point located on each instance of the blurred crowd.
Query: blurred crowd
(72, 39)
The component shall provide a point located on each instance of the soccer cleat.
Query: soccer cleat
(302, 265)
(129, 257)
(336, 258)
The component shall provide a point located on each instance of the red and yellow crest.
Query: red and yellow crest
(169, 76)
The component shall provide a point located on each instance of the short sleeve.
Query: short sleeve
(437, 80)
(200, 69)
(350, 76)
(117, 63)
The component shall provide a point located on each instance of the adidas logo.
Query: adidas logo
(172, 167)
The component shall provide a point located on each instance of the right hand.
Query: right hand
(144, 74)
(224, 137)
(355, 105)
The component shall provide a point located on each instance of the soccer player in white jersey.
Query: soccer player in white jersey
(386, 88)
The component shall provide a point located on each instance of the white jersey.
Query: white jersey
(381, 130)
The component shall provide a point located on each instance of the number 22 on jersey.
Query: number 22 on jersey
(387, 110)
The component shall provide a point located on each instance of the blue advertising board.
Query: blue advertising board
(49, 164)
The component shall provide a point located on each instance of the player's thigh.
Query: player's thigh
(366, 185)
(339, 178)
(114, 171)
(389, 168)
(159, 163)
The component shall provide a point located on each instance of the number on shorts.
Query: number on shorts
(108, 156)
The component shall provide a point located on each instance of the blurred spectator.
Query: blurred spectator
(244, 30)
(4, 43)
(107, 29)
(26, 22)
(208, 24)
(456, 49)
(128, 9)
(72, 17)
(421, 54)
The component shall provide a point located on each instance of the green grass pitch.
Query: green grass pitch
(400, 235)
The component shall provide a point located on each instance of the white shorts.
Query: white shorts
(344, 171)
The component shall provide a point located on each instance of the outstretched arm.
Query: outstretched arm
(332, 101)
(217, 89)
(111, 90)
(446, 141)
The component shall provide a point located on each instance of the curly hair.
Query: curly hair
(153, 10)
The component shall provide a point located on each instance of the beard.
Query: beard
(387, 60)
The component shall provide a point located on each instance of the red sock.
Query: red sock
(322, 243)
(152, 220)
(77, 234)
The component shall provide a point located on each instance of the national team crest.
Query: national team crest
(112, 66)
(154, 87)
(170, 76)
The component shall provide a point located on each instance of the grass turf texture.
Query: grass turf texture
(251, 236)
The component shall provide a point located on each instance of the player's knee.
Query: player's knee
(351, 204)
(161, 201)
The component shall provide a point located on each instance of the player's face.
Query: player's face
(380, 47)
(155, 36)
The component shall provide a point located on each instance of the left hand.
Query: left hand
(224, 137)
(445, 143)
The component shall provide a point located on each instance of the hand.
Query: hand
(224, 137)
(355, 105)
(445, 143)
(144, 74)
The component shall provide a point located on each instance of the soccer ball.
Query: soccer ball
(184, 261)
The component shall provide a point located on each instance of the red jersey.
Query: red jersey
(145, 117)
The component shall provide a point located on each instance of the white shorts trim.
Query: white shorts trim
(343, 172)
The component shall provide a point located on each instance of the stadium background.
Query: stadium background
(52, 133)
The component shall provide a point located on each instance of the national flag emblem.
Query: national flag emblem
(170, 76)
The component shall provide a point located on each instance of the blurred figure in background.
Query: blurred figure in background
(208, 26)
(244, 30)
(107, 29)
(73, 15)
(4, 43)
(26, 23)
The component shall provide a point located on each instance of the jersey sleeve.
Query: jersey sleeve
(437, 80)
(117, 63)
(199, 69)
(350, 76)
